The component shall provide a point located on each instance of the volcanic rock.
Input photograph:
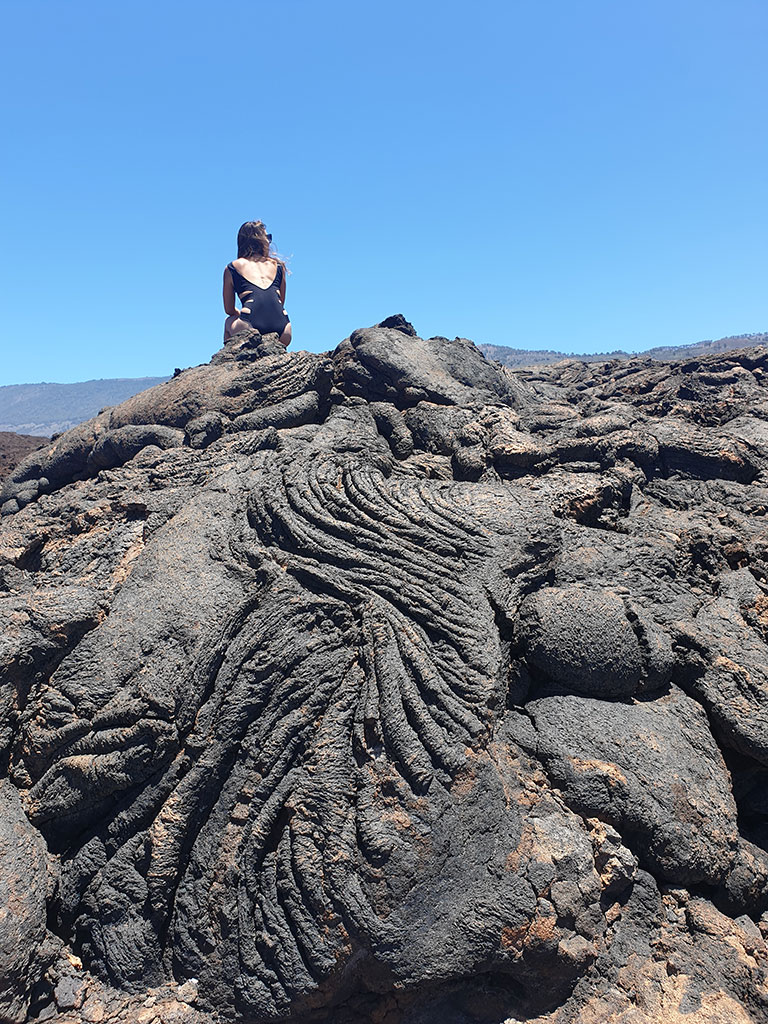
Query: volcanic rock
(15, 447)
(391, 686)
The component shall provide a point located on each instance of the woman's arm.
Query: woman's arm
(281, 289)
(229, 294)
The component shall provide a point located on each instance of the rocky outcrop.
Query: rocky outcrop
(390, 686)
(14, 448)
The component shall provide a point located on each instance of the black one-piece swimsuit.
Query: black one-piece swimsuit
(262, 307)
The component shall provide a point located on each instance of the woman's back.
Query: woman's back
(261, 272)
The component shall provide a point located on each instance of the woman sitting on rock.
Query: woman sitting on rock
(258, 278)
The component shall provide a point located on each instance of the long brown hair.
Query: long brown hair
(253, 241)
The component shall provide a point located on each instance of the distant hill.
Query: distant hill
(45, 409)
(519, 357)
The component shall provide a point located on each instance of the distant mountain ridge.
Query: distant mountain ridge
(520, 357)
(44, 409)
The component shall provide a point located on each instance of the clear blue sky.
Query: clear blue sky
(543, 174)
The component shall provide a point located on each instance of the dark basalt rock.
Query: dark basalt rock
(14, 448)
(390, 686)
(23, 888)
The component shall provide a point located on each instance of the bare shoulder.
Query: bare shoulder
(243, 263)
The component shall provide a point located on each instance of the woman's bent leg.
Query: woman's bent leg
(285, 337)
(233, 324)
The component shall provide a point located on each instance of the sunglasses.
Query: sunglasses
(269, 237)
